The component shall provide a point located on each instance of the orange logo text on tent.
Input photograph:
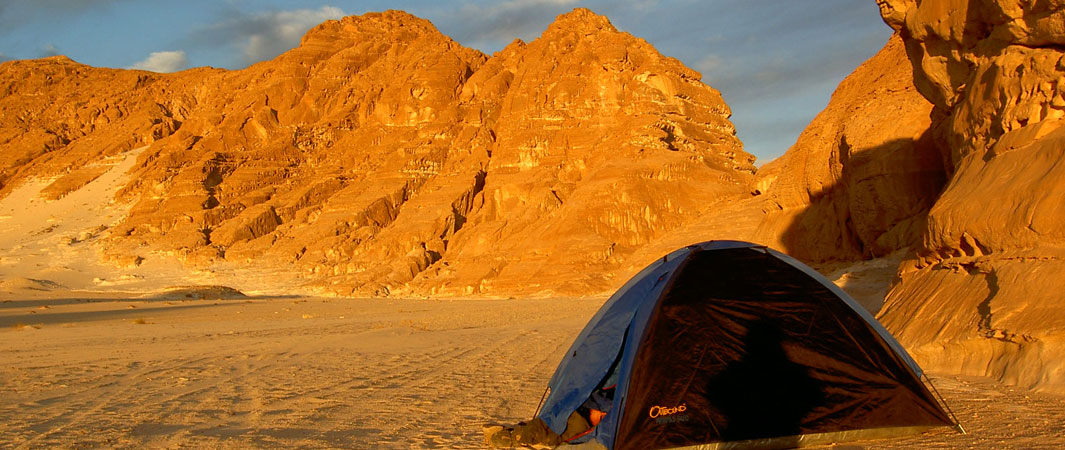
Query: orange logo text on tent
(660, 411)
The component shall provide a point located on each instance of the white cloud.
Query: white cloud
(283, 30)
(49, 50)
(163, 62)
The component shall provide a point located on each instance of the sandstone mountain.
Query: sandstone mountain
(57, 115)
(381, 157)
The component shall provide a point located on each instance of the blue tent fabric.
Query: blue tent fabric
(621, 325)
(604, 433)
(596, 347)
(593, 352)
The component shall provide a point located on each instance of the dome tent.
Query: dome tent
(728, 344)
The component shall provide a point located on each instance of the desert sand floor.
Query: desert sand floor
(333, 373)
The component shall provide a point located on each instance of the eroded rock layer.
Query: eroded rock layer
(381, 157)
(983, 296)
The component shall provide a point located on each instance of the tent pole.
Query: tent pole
(943, 401)
(544, 397)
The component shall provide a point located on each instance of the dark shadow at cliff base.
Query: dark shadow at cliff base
(880, 203)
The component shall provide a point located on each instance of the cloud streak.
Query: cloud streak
(490, 27)
(164, 62)
(49, 50)
(263, 35)
(17, 14)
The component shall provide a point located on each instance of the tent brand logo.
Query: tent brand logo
(662, 411)
(666, 414)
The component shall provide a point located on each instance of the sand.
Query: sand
(274, 373)
(340, 373)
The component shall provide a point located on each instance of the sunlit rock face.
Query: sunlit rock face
(380, 157)
(304, 161)
(600, 144)
(57, 115)
(984, 294)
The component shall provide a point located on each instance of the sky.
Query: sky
(776, 62)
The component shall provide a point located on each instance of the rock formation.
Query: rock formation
(601, 145)
(982, 296)
(380, 157)
(958, 160)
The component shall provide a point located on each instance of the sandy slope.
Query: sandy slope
(45, 244)
(48, 245)
(328, 373)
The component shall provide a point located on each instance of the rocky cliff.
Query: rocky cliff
(381, 158)
(601, 145)
(857, 184)
(983, 294)
(57, 115)
(954, 159)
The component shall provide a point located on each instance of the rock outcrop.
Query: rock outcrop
(982, 296)
(381, 158)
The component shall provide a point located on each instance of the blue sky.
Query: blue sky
(775, 61)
